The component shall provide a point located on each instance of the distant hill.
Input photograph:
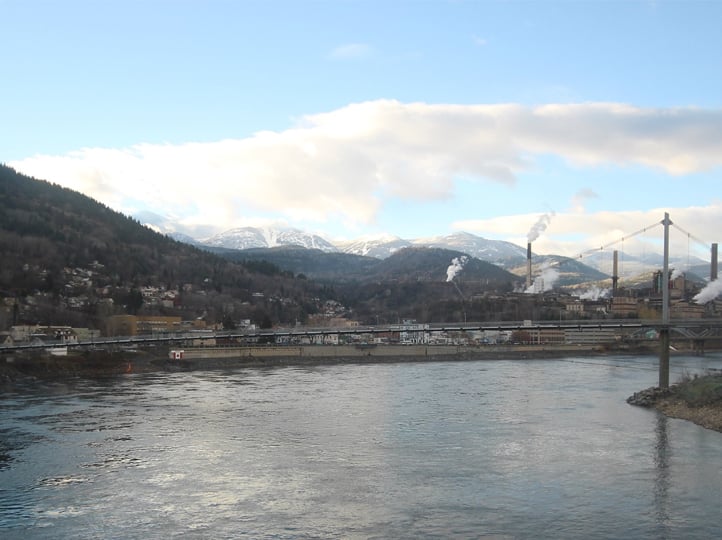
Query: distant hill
(432, 264)
(570, 271)
(313, 263)
(411, 283)
(406, 264)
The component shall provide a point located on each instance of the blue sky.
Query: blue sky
(359, 118)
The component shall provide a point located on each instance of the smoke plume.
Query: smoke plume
(711, 291)
(539, 227)
(544, 281)
(595, 293)
(457, 264)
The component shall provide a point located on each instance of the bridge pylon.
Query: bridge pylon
(664, 331)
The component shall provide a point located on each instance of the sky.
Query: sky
(361, 118)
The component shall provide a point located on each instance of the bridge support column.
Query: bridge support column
(664, 332)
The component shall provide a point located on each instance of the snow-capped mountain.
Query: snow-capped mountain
(171, 226)
(267, 237)
(499, 252)
(379, 247)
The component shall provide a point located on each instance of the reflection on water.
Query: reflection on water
(661, 464)
(507, 449)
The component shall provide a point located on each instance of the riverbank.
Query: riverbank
(696, 399)
(100, 363)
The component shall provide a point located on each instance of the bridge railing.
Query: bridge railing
(297, 332)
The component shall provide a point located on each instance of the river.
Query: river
(472, 449)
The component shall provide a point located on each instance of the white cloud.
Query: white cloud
(342, 164)
(580, 197)
(351, 50)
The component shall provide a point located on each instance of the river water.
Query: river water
(473, 449)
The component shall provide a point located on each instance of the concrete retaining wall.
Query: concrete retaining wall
(318, 351)
(350, 351)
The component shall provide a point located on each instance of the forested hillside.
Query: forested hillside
(67, 259)
(407, 264)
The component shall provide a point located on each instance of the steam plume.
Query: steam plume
(457, 264)
(595, 293)
(539, 227)
(711, 291)
(544, 281)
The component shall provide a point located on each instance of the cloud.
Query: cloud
(580, 197)
(479, 41)
(676, 140)
(351, 50)
(341, 165)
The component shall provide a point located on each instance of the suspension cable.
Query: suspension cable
(622, 239)
(690, 235)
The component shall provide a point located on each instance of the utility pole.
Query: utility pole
(664, 330)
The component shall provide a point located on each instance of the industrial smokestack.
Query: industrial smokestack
(615, 271)
(713, 265)
(528, 265)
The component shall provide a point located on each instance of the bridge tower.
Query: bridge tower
(664, 330)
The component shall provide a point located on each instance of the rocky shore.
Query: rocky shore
(696, 399)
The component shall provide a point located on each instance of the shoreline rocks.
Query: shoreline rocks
(671, 402)
(648, 397)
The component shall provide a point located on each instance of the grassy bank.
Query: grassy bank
(698, 399)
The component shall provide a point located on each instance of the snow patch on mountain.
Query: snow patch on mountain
(267, 237)
(495, 251)
(378, 246)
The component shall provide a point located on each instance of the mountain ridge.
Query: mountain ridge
(502, 253)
